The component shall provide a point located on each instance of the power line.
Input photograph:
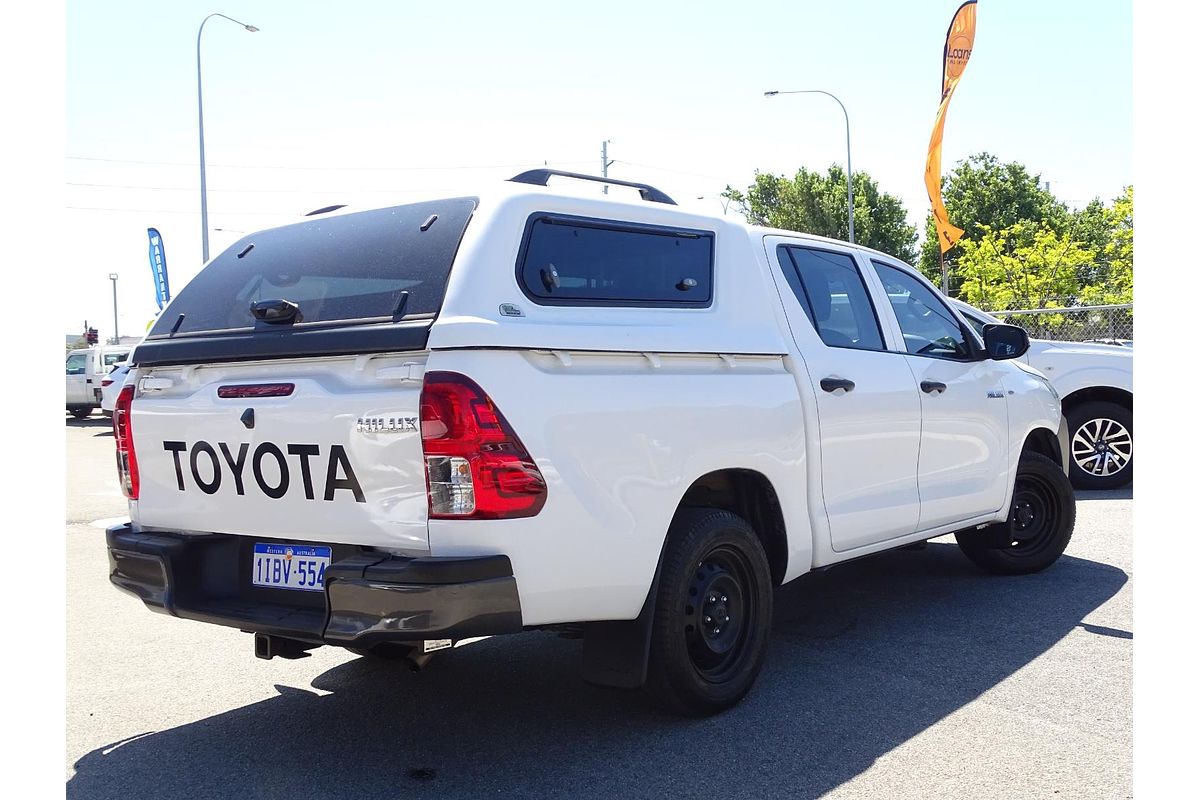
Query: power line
(172, 211)
(539, 162)
(669, 169)
(305, 190)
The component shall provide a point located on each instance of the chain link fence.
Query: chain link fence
(1074, 324)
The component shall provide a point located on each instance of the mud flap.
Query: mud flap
(617, 653)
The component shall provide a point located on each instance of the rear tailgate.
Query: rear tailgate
(337, 458)
(338, 308)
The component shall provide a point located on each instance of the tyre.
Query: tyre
(81, 413)
(712, 615)
(1101, 435)
(1039, 525)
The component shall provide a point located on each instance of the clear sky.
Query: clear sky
(377, 103)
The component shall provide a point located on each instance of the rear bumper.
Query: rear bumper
(369, 597)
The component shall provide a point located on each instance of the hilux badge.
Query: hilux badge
(387, 424)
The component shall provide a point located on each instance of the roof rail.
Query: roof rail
(541, 177)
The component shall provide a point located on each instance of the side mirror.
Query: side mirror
(1005, 341)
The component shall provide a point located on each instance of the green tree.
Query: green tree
(1026, 265)
(982, 191)
(1090, 227)
(815, 203)
(1113, 275)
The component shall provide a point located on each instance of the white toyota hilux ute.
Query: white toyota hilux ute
(397, 429)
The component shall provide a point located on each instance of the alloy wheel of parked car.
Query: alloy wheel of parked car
(1101, 445)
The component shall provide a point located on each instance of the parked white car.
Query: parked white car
(85, 369)
(110, 386)
(529, 409)
(1095, 382)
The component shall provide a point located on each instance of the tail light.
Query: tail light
(106, 382)
(127, 469)
(475, 466)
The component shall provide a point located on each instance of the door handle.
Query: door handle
(833, 384)
(932, 387)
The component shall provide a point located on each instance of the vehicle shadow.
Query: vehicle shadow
(864, 657)
(101, 424)
(94, 421)
(1124, 493)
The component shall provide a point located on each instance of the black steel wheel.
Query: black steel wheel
(1040, 522)
(712, 614)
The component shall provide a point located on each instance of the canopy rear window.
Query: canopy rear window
(341, 270)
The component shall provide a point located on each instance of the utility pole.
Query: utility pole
(605, 163)
(112, 276)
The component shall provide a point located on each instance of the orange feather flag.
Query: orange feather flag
(960, 39)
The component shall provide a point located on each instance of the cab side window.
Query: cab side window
(928, 325)
(77, 363)
(833, 296)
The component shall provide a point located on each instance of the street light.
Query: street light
(112, 276)
(200, 101)
(849, 171)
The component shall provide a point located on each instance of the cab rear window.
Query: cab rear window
(371, 266)
(578, 261)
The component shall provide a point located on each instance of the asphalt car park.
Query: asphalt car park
(907, 674)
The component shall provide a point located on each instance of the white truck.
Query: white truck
(1095, 382)
(393, 430)
(86, 369)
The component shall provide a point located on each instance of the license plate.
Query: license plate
(290, 566)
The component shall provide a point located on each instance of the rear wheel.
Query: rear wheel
(1101, 436)
(1039, 526)
(712, 617)
(81, 413)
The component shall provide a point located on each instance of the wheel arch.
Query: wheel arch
(751, 495)
(1088, 394)
(1045, 442)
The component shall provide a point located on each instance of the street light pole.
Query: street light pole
(112, 276)
(200, 105)
(849, 169)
